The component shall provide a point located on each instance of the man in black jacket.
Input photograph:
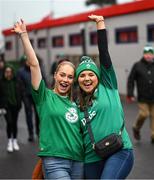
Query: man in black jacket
(142, 75)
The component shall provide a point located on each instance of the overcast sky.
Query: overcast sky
(34, 10)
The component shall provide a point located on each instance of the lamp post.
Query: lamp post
(83, 36)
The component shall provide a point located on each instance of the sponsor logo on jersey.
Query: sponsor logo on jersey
(71, 115)
(91, 115)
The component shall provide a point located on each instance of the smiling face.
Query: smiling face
(64, 77)
(88, 81)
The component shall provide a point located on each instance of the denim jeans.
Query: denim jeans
(60, 168)
(117, 166)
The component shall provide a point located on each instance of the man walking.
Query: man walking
(142, 75)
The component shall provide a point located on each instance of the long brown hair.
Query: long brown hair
(84, 100)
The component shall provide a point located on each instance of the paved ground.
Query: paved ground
(19, 165)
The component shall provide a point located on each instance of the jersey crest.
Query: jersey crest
(71, 115)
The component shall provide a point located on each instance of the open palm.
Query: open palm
(19, 27)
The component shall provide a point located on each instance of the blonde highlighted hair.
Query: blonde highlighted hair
(67, 62)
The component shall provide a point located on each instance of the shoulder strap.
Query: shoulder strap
(89, 127)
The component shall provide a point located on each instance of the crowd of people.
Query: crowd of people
(66, 148)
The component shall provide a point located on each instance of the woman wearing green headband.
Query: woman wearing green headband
(99, 95)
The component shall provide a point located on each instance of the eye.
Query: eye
(62, 74)
(91, 74)
(82, 75)
(70, 77)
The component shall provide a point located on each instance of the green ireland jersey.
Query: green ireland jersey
(60, 128)
(106, 115)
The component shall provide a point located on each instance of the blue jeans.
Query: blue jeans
(60, 168)
(117, 166)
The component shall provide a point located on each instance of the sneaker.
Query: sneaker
(136, 133)
(10, 146)
(15, 145)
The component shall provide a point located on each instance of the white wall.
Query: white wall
(123, 55)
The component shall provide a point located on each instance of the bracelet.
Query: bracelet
(20, 33)
(101, 20)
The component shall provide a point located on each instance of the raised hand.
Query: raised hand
(19, 27)
(96, 18)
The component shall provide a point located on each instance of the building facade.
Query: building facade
(130, 27)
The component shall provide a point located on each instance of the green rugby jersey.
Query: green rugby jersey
(106, 113)
(60, 128)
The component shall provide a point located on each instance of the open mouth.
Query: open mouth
(63, 86)
(87, 83)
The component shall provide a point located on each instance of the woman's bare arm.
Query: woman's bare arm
(20, 28)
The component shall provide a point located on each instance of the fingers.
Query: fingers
(94, 17)
(18, 23)
(22, 20)
(19, 27)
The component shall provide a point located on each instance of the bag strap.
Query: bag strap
(86, 114)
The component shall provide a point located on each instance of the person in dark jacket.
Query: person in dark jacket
(10, 100)
(142, 75)
(24, 77)
(2, 64)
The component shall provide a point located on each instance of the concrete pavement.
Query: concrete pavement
(19, 165)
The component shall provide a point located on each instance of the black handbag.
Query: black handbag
(109, 144)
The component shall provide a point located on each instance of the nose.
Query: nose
(87, 77)
(65, 79)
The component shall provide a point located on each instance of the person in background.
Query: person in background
(60, 138)
(142, 76)
(24, 78)
(11, 101)
(99, 95)
(44, 77)
(2, 64)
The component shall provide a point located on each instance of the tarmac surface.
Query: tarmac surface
(19, 165)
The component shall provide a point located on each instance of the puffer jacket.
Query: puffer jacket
(142, 75)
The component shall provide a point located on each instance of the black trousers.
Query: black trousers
(29, 110)
(11, 117)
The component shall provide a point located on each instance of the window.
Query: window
(41, 43)
(93, 38)
(150, 33)
(126, 35)
(8, 45)
(58, 41)
(75, 39)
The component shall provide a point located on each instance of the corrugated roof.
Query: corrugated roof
(115, 10)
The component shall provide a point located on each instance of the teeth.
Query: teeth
(64, 85)
(87, 84)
